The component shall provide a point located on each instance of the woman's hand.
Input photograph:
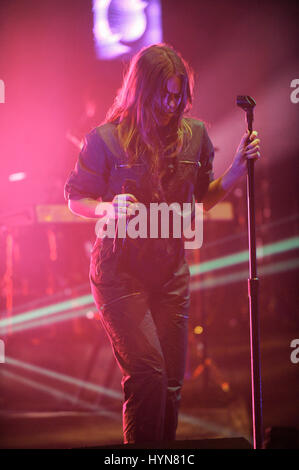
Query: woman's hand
(121, 204)
(244, 152)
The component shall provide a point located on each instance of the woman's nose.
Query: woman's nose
(172, 103)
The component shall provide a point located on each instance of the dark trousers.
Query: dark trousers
(147, 328)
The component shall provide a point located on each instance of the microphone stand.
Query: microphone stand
(247, 104)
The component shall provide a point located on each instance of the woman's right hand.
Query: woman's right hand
(121, 204)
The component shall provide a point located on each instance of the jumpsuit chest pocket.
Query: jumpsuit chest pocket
(122, 173)
(181, 186)
(124, 169)
(125, 166)
(179, 181)
(187, 170)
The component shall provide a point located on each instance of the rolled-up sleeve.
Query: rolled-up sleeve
(205, 173)
(90, 176)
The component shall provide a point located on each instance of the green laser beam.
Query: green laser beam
(96, 410)
(43, 321)
(59, 307)
(63, 378)
(61, 395)
(243, 256)
(272, 268)
(204, 267)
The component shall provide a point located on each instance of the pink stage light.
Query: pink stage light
(123, 26)
(17, 177)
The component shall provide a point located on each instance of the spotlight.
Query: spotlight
(124, 26)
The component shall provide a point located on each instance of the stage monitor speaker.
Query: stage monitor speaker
(281, 438)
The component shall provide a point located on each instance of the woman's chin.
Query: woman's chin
(165, 120)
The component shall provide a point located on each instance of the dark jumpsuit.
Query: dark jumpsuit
(141, 289)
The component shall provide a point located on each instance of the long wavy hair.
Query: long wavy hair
(139, 99)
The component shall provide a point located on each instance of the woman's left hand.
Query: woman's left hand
(246, 151)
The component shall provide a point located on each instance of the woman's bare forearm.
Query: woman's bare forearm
(93, 209)
(219, 188)
(85, 207)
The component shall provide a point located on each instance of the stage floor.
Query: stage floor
(42, 411)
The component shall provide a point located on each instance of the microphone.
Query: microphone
(129, 186)
(247, 103)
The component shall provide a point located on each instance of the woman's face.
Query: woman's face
(171, 98)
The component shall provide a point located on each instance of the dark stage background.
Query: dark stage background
(59, 384)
